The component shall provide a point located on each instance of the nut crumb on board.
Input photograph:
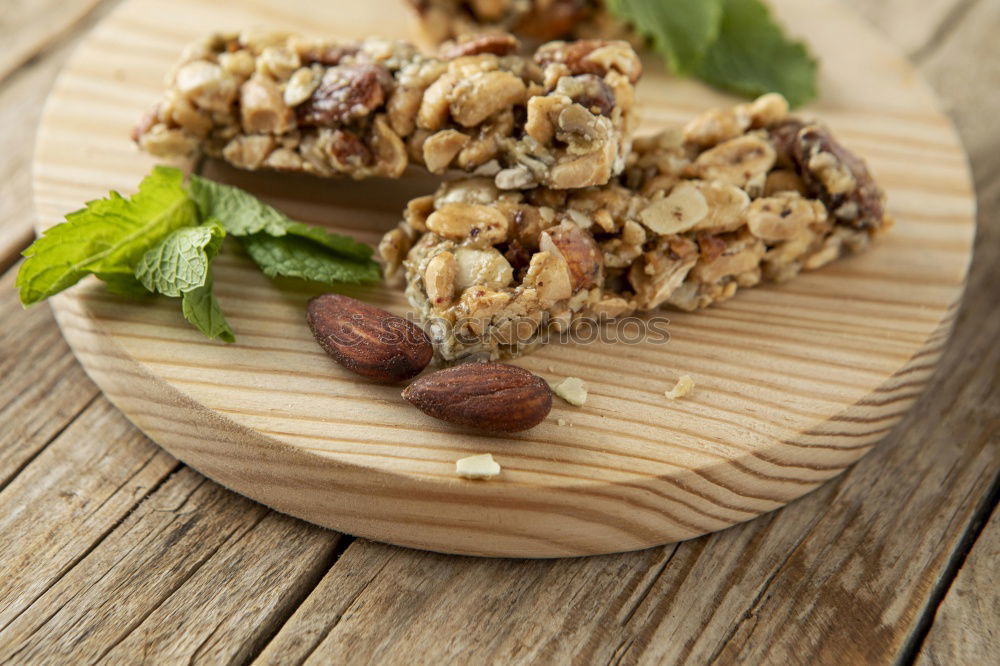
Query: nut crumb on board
(477, 467)
(572, 390)
(683, 387)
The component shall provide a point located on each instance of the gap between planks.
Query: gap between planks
(975, 529)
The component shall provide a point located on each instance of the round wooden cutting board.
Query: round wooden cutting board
(794, 382)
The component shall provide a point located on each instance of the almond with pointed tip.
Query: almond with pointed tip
(368, 340)
(486, 396)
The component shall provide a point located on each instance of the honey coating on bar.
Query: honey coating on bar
(738, 196)
(561, 118)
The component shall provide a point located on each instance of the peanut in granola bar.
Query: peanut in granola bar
(560, 119)
(736, 197)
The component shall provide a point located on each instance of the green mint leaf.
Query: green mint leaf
(243, 214)
(180, 262)
(238, 211)
(753, 56)
(203, 311)
(292, 256)
(343, 245)
(108, 236)
(124, 284)
(680, 30)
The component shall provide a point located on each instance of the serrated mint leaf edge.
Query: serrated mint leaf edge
(161, 268)
(31, 271)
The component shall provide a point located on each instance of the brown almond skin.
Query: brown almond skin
(486, 396)
(368, 340)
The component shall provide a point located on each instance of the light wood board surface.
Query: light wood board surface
(794, 382)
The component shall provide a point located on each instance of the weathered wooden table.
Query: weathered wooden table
(111, 550)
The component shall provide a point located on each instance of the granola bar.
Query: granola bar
(737, 196)
(535, 19)
(562, 119)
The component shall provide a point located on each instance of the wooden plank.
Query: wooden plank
(965, 629)
(43, 387)
(29, 27)
(194, 572)
(68, 498)
(238, 598)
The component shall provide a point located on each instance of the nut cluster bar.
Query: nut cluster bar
(560, 119)
(534, 19)
(736, 197)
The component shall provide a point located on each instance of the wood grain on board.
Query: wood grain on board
(795, 382)
(533, 601)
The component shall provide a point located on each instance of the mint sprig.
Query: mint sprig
(164, 239)
(107, 236)
(735, 45)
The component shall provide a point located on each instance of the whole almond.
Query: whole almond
(368, 340)
(487, 396)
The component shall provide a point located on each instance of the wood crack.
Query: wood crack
(340, 615)
(977, 523)
(321, 571)
(649, 586)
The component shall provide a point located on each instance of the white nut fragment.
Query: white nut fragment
(483, 225)
(726, 204)
(737, 161)
(481, 268)
(683, 387)
(784, 217)
(477, 467)
(163, 142)
(441, 147)
(715, 126)
(475, 99)
(301, 86)
(278, 62)
(549, 275)
(466, 190)
(262, 107)
(207, 85)
(439, 279)
(767, 110)
(248, 152)
(676, 213)
(572, 390)
(515, 178)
